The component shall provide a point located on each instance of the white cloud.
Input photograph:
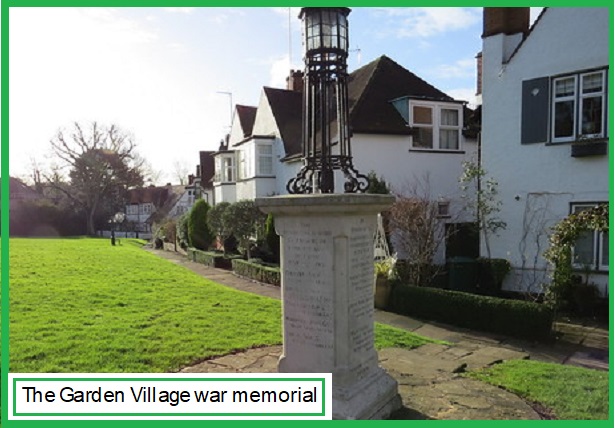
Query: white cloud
(88, 64)
(464, 94)
(280, 70)
(186, 10)
(459, 69)
(284, 11)
(222, 15)
(429, 21)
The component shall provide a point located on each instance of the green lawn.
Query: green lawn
(570, 392)
(81, 305)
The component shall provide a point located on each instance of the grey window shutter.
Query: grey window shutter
(535, 111)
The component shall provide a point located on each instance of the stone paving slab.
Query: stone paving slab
(431, 388)
(429, 377)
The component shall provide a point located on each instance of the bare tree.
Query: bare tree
(418, 230)
(180, 172)
(102, 164)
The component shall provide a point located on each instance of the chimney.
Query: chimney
(479, 73)
(504, 28)
(505, 20)
(190, 179)
(294, 82)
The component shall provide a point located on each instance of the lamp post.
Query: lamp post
(117, 218)
(326, 132)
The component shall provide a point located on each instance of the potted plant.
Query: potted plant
(383, 271)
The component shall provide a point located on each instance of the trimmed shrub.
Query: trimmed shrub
(257, 272)
(199, 235)
(210, 258)
(491, 275)
(526, 320)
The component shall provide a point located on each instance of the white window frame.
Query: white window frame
(436, 124)
(242, 161)
(222, 168)
(577, 98)
(597, 243)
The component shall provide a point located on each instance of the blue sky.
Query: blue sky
(158, 73)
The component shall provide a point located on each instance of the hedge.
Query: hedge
(209, 258)
(526, 320)
(257, 272)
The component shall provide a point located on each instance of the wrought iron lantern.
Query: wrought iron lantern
(326, 133)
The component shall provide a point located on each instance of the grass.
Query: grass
(81, 305)
(569, 392)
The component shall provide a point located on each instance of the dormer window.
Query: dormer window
(435, 126)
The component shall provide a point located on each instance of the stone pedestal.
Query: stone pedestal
(328, 297)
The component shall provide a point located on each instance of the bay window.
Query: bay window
(591, 249)
(225, 168)
(264, 154)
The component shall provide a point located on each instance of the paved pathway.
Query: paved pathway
(429, 377)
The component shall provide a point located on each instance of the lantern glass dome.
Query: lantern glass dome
(325, 28)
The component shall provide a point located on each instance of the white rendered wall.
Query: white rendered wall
(539, 178)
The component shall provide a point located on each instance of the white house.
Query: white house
(404, 129)
(545, 134)
(149, 204)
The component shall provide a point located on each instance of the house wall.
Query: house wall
(284, 173)
(143, 213)
(427, 173)
(537, 182)
(264, 121)
(183, 204)
(225, 192)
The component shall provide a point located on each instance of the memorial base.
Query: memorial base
(327, 258)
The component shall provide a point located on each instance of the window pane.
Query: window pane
(449, 139)
(449, 117)
(564, 87)
(584, 249)
(421, 115)
(592, 83)
(592, 115)
(424, 138)
(266, 166)
(564, 119)
(265, 150)
(605, 249)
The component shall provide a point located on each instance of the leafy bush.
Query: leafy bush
(199, 235)
(245, 220)
(219, 223)
(167, 231)
(257, 272)
(559, 254)
(182, 231)
(491, 274)
(521, 319)
(272, 238)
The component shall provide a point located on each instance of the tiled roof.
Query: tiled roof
(286, 108)
(174, 193)
(373, 86)
(154, 195)
(246, 115)
(207, 167)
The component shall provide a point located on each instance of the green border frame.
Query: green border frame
(166, 379)
(4, 318)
